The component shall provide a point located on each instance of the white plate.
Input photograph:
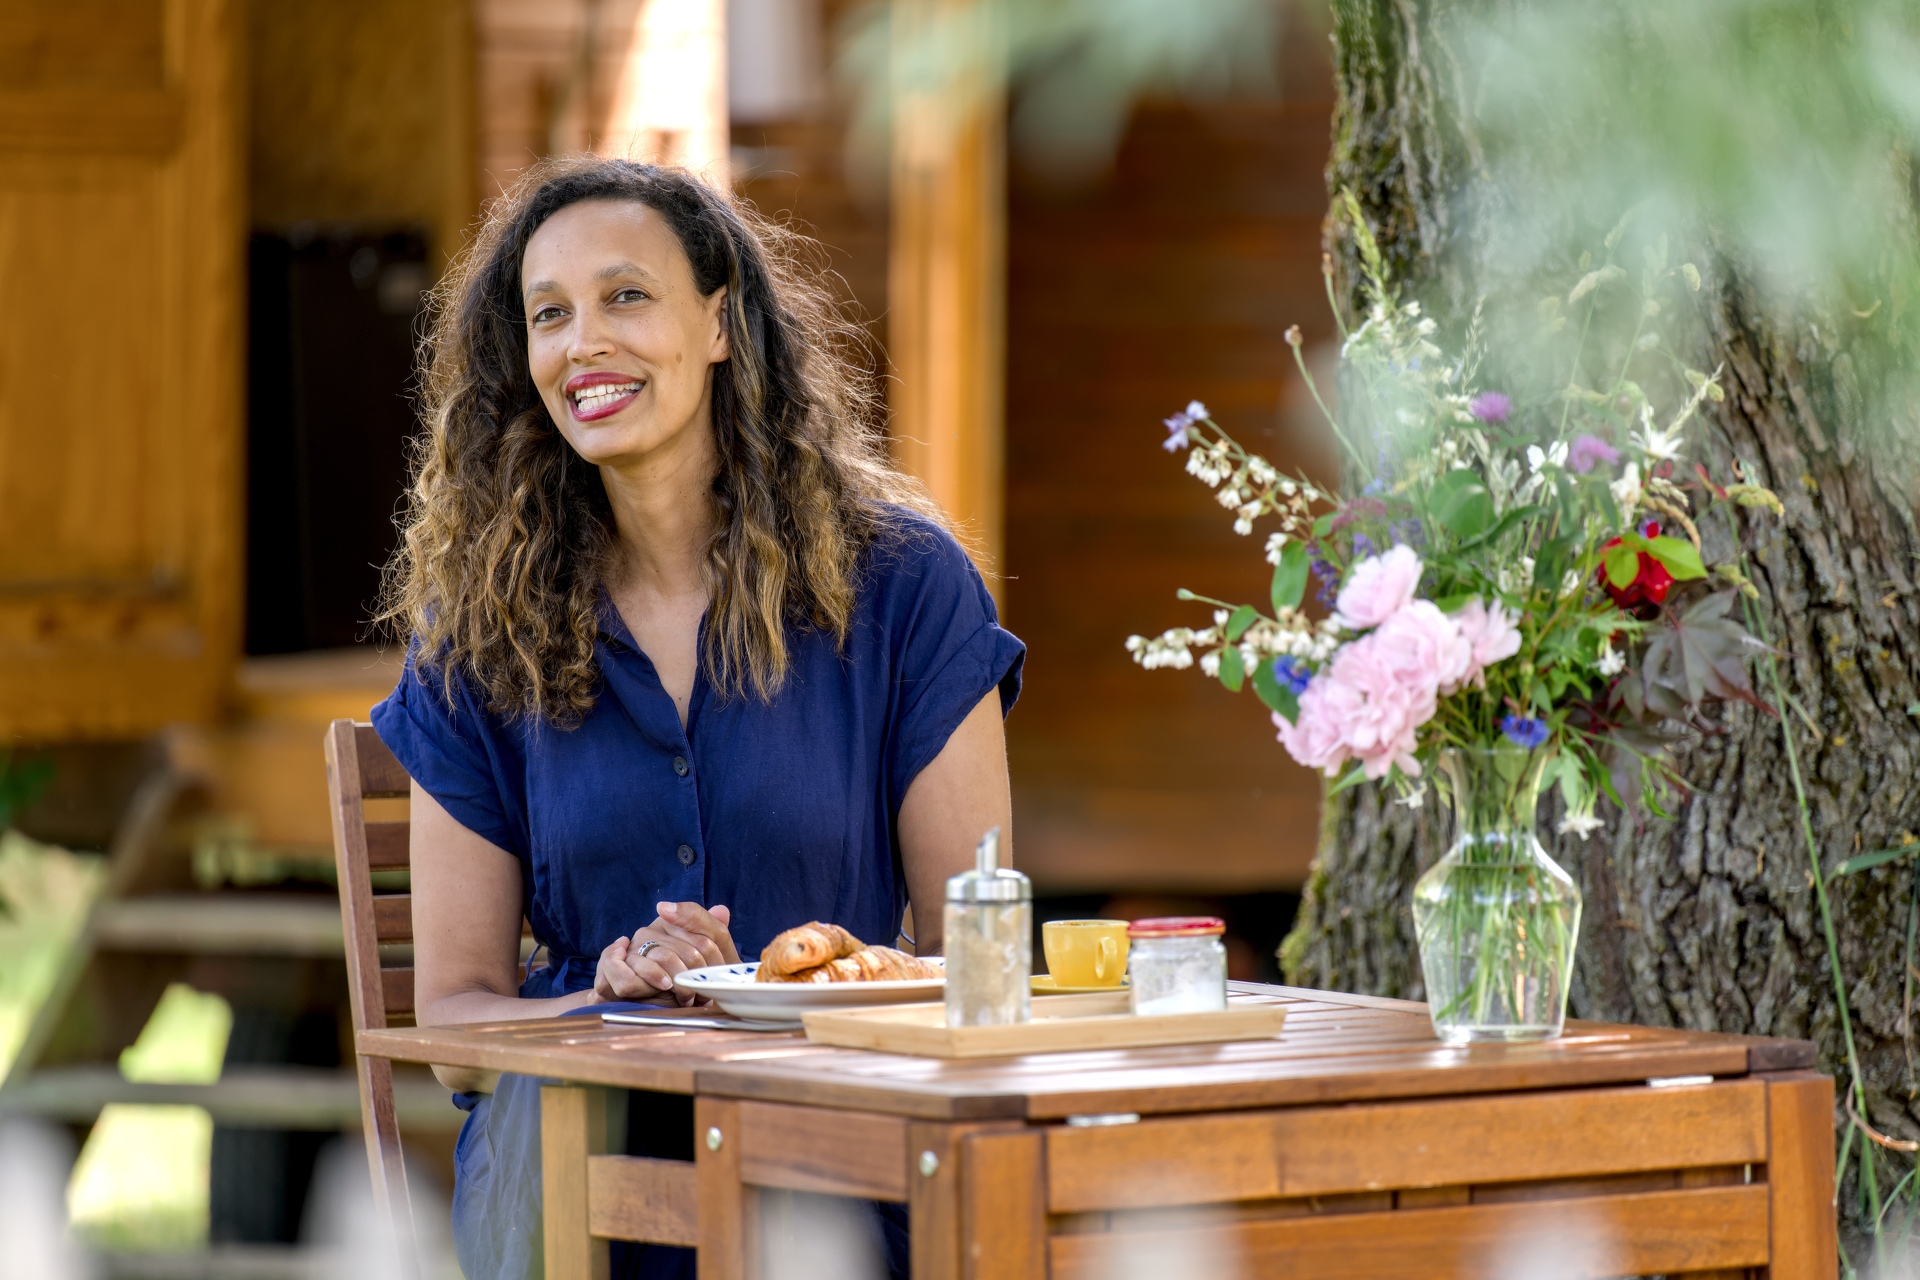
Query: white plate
(731, 986)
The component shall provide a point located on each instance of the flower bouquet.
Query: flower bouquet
(1516, 597)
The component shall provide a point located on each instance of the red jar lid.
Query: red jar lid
(1177, 927)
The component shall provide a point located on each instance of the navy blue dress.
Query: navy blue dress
(785, 811)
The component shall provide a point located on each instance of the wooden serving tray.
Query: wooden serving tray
(1060, 1024)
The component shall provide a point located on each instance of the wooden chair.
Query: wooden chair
(621, 1197)
(359, 769)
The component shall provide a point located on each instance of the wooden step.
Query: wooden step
(257, 1097)
(221, 924)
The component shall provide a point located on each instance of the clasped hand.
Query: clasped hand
(689, 935)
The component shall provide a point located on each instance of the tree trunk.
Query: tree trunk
(1708, 920)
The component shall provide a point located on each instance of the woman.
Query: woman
(690, 663)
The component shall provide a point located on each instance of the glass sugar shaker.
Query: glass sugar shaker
(1178, 964)
(989, 942)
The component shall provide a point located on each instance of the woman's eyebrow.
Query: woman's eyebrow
(618, 269)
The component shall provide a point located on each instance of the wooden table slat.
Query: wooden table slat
(835, 1153)
(1332, 1150)
(637, 1198)
(1649, 1233)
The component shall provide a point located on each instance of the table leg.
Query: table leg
(728, 1226)
(1800, 1176)
(1003, 1206)
(933, 1200)
(971, 1202)
(575, 1122)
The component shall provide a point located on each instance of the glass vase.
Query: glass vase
(1496, 918)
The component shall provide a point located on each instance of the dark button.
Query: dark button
(686, 855)
(680, 765)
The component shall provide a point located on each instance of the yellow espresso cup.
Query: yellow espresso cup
(1086, 953)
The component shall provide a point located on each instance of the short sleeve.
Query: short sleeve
(455, 751)
(948, 645)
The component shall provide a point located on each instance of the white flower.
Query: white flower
(1276, 543)
(1626, 490)
(1554, 456)
(1261, 471)
(1517, 578)
(1570, 583)
(1659, 444)
(1210, 664)
(1414, 798)
(1579, 824)
(1243, 526)
(1220, 617)
(1610, 663)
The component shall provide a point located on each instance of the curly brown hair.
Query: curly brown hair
(509, 535)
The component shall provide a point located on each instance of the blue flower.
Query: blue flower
(1292, 674)
(1362, 546)
(1524, 731)
(1178, 424)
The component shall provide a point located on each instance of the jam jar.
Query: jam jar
(1178, 964)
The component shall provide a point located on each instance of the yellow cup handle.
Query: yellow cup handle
(1105, 955)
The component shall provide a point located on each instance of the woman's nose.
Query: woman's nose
(591, 338)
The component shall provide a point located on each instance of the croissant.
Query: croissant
(807, 947)
(881, 964)
(865, 964)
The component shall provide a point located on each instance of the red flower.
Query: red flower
(1648, 590)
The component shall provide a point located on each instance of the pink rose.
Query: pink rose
(1377, 587)
(1492, 635)
(1372, 699)
(1313, 739)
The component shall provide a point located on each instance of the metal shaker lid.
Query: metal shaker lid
(989, 881)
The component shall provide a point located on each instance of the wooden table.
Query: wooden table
(1353, 1145)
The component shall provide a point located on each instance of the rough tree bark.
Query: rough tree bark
(1709, 920)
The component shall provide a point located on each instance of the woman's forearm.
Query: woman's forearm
(490, 1006)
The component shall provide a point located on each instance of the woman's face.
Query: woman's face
(619, 340)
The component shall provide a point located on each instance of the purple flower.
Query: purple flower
(1178, 424)
(1490, 406)
(1292, 674)
(1589, 452)
(1524, 731)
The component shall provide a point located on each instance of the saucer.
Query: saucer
(1042, 984)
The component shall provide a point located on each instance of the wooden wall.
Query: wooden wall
(1173, 280)
(121, 277)
(362, 112)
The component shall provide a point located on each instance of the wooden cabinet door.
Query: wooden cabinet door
(121, 363)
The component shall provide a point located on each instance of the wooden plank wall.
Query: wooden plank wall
(363, 114)
(1173, 279)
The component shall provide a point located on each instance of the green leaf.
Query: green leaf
(1242, 619)
(1506, 522)
(1270, 691)
(1290, 578)
(1678, 555)
(1623, 564)
(1232, 671)
(1323, 526)
(1865, 861)
(1914, 710)
(1462, 504)
(1354, 777)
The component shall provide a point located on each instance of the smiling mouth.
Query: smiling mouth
(599, 400)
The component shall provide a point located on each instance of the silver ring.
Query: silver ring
(647, 946)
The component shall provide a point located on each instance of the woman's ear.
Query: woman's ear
(722, 348)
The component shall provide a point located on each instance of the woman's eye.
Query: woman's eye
(545, 314)
(630, 295)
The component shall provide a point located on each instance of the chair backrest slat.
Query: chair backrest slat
(397, 984)
(393, 919)
(387, 845)
(381, 775)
